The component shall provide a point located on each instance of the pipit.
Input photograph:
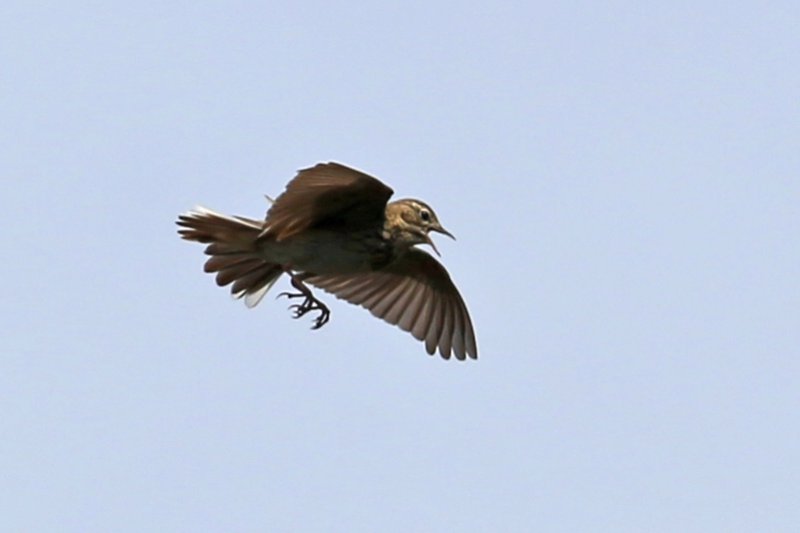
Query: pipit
(332, 228)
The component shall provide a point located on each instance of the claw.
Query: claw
(290, 295)
(322, 319)
(309, 304)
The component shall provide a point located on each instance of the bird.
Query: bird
(333, 228)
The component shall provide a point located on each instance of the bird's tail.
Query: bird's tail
(234, 254)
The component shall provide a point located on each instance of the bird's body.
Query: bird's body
(325, 251)
(333, 228)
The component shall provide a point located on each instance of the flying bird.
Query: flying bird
(334, 228)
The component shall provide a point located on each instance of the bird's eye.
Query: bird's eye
(425, 215)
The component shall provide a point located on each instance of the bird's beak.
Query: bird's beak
(437, 229)
(443, 231)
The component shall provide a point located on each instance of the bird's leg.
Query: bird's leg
(310, 303)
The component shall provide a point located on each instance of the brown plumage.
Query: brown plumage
(333, 228)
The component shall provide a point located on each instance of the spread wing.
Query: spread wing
(330, 194)
(414, 293)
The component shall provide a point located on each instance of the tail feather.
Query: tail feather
(253, 280)
(228, 273)
(219, 262)
(234, 255)
(256, 292)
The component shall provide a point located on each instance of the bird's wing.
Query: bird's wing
(330, 194)
(416, 294)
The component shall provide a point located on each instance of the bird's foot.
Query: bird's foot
(309, 304)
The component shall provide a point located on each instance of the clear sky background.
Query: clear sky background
(624, 182)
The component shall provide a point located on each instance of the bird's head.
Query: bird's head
(410, 222)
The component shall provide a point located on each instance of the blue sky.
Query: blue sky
(623, 180)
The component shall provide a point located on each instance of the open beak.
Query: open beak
(437, 229)
(443, 231)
